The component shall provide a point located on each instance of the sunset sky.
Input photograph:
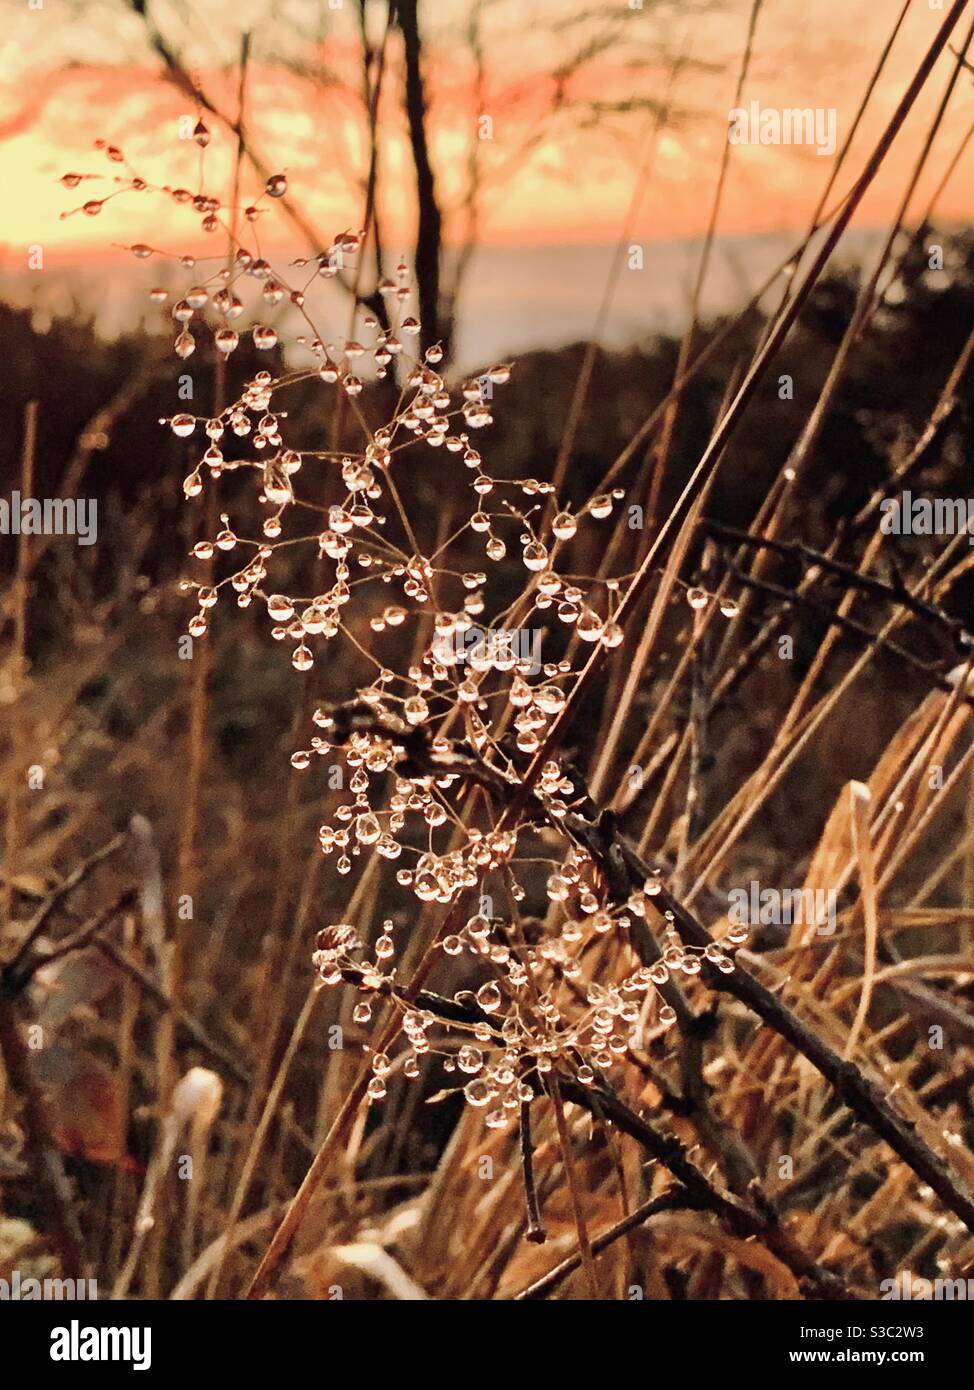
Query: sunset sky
(76, 72)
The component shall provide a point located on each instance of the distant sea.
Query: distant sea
(515, 299)
(520, 298)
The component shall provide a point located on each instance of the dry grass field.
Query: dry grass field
(491, 837)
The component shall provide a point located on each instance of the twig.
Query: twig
(57, 895)
(535, 1232)
(858, 1092)
(932, 671)
(196, 1032)
(894, 593)
(675, 1199)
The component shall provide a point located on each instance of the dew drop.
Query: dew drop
(367, 829)
(489, 997)
(535, 556)
(478, 1092)
(264, 337)
(415, 709)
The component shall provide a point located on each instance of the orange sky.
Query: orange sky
(67, 81)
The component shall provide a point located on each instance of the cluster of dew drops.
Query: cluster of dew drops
(521, 1030)
(524, 1026)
